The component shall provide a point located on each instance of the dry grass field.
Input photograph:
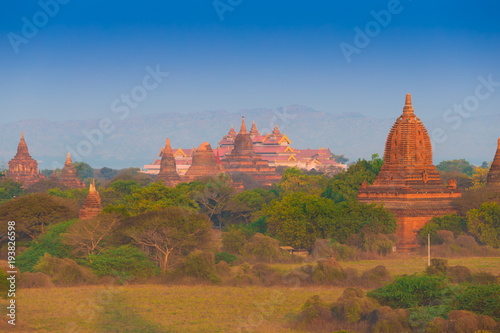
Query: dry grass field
(199, 308)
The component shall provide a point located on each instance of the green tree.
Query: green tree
(126, 262)
(294, 180)
(9, 189)
(344, 186)
(246, 206)
(51, 243)
(484, 223)
(412, 291)
(34, 212)
(83, 170)
(462, 166)
(172, 231)
(133, 174)
(107, 173)
(451, 222)
(152, 197)
(214, 197)
(87, 237)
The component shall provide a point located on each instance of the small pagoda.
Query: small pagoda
(205, 164)
(168, 169)
(244, 159)
(68, 175)
(493, 179)
(23, 168)
(408, 184)
(92, 205)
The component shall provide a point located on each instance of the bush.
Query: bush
(125, 262)
(387, 320)
(437, 267)
(411, 291)
(201, 265)
(35, 280)
(461, 322)
(50, 242)
(65, 272)
(483, 278)
(322, 249)
(421, 316)
(376, 276)
(328, 271)
(224, 256)
(315, 315)
(353, 306)
(459, 274)
(233, 241)
(480, 299)
(262, 248)
(343, 252)
(377, 243)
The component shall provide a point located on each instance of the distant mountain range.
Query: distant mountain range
(136, 141)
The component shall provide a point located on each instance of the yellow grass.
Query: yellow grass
(410, 264)
(161, 308)
(158, 308)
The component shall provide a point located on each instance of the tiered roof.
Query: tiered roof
(68, 174)
(168, 168)
(494, 173)
(92, 205)
(23, 168)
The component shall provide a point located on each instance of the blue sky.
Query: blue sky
(260, 54)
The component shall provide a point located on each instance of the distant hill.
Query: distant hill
(136, 141)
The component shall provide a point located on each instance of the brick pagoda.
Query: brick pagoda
(23, 168)
(68, 174)
(92, 205)
(244, 159)
(408, 184)
(205, 164)
(493, 179)
(168, 169)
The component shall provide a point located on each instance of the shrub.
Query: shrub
(201, 265)
(483, 278)
(224, 256)
(328, 271)
(461, 322)
(314, 314)
(387, 320)
(411, 291)
(459, 274)
(35, 280)
(125, 262)
(480, 299)
(353, 306)
(233, 241)
(266, 274)
(262, 248)
(376, 276)
(322, 249)
(421, 316)
(50, 242)
(343, 252)
(65, 272)
(377, 243)
(437, 267)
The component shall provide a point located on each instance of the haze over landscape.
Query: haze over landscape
(345, 65)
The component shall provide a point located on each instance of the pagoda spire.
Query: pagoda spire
(68, 159)
(243, 129)
(493, 178)
(22, 147)
(408, 108)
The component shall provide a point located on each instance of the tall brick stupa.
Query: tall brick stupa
(168, 169)
(408, 184)
(493, 179)
(23, 168)
(243, 158)
(92, 205)
(205, 164)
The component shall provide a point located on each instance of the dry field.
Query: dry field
(200, 308)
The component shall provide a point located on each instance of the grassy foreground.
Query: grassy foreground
(200, 308)
(159, 308)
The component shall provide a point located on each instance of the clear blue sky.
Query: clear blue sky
(262, 54)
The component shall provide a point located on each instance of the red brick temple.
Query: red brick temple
(244, 159)
(92, 205)
(408, 184)
(168, 170)
(23, 168)
(68, 175)
(205, 164)
(493, 179)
